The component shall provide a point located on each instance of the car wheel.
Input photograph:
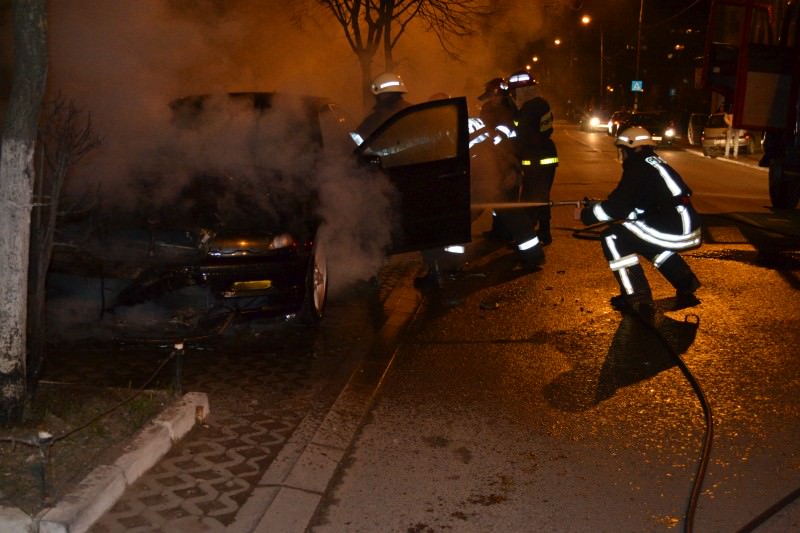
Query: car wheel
(316, 293)
(784, 190)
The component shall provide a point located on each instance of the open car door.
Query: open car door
(424, 151)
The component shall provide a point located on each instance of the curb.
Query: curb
(745, 162)
(99, 491)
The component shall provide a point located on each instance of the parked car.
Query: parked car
(616, 119)
(715, 133)
(246, 232)
(661, 127)
(594, 120)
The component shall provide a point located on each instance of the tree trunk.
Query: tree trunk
(365, 62)
(16, 186)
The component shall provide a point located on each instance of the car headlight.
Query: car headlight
(594, 122)
(669, 132)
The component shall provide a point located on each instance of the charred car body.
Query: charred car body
(245, 237)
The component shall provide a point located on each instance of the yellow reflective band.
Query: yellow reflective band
(526, 162)
(548, 161)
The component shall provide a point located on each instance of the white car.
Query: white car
(715, 134)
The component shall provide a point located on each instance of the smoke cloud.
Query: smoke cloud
(124, 61)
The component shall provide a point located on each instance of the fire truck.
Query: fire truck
(753, 60)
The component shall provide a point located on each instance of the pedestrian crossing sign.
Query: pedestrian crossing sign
(637, 86)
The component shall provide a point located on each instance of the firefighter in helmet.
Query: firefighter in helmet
(535, 149)
(496, 167)
(501, 179)
(650, 213)
(388, 89)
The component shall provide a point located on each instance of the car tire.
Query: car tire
(784, 191)
(316, 292)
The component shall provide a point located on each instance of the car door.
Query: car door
(423, 149)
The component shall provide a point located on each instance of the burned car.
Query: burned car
(250, 230)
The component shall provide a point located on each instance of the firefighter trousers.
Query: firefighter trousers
(622, 250)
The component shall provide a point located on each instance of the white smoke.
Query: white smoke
(124, 61)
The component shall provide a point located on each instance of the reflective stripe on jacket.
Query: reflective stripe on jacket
(654, 203)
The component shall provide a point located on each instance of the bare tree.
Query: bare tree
(370, 25)
(65, 138)
(16, 186)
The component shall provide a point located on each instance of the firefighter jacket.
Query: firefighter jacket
(494, 166)
(653, 202)
(498, 116)
(534, 127)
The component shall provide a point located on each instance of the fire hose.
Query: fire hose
(519, 205)
(590, 232)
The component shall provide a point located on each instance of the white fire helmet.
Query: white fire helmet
(519, 79)
(634, 137)
(388, 82)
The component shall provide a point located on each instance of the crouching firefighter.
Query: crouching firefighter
(651, 215)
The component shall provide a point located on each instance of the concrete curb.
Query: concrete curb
(744, 161)
(99, 491)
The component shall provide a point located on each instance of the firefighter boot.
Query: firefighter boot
(639, 302)
(680, 276)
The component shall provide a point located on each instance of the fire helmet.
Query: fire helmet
(634, 137)
(521, 78)
(494, 87)
(388, 82)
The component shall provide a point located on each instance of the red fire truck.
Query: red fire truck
(753, 60)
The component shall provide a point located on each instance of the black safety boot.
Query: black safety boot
(684, 294)
(637, 305)
(685, 299)
(531, 260)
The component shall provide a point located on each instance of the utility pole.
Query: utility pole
(638, 53)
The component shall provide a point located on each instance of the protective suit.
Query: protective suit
(536, 152)
(651, 215)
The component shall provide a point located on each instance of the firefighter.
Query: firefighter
(535, 149)
(388, 89)
(513, 225)
(501, 180)
(650, 214)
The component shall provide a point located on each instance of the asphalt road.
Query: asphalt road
(523, 402)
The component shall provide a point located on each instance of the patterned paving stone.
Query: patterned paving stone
(262, 381)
